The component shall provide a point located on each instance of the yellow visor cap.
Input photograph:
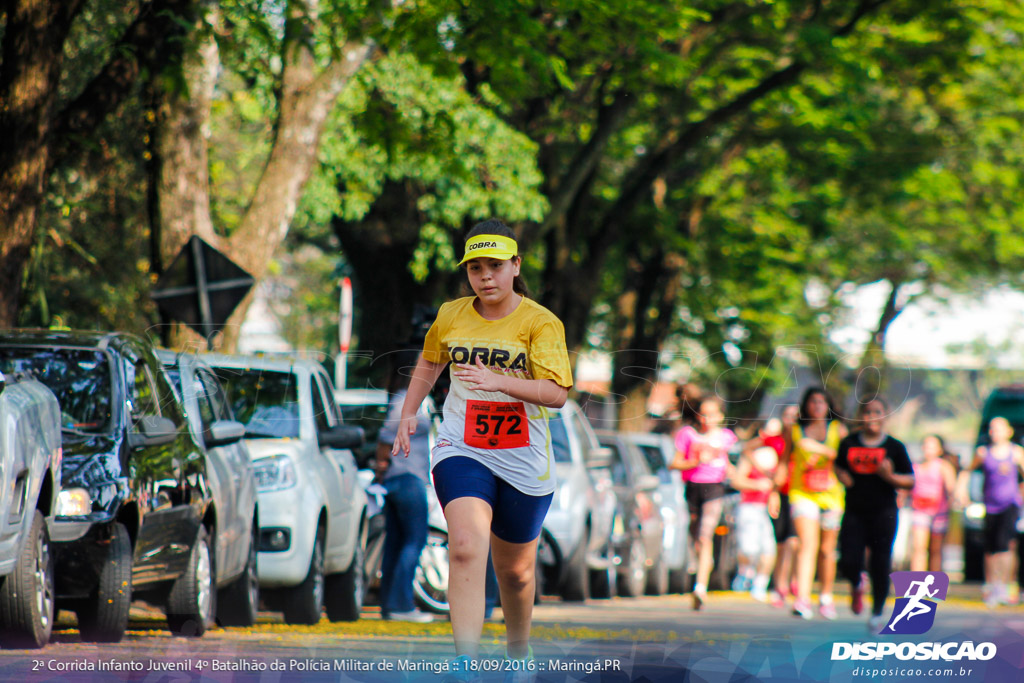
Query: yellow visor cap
(490, 246)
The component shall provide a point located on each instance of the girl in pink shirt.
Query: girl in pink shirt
(702, 453)
(934, 485)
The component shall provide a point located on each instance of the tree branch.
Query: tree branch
(157, 29)
(609, 119)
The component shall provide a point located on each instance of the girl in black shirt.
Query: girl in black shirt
(872, 465)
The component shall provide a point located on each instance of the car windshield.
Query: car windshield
(559, 438)
(79, 378)
(656, 461)
(265, 401)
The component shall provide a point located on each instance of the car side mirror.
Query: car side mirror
(153, 430)
(648, 482)
(224, 433)
(599, 458)
(343, 436)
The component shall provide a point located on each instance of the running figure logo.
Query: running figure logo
(915, 611)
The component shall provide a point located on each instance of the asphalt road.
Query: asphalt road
(733, 639)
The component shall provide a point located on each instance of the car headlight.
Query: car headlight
(975, 511)
(73, 503)
(275, 473)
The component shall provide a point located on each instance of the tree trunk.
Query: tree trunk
(305, 102)
(872, 362)
(379, 249)
(652, 284)
(633, 415)
(33, 55)
(182, 160)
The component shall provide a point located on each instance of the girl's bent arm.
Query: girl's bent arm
(542, 392)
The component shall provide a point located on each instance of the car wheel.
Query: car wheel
(26, 595)
(577, 573)
(304, 602)
(238, 603)
(372, 567)
(344, 596)
(192, 602)
(633, 570)
(657, 578)
(431, 583)
(103, 617)
(602, 579)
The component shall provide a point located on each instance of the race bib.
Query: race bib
(492, 424)
(865, 460)
(818, 480)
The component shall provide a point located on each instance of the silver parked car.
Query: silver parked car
(576, 557)
(30, 459)
(232, 483)
(638, 541)
(659, 451)
(313, 520)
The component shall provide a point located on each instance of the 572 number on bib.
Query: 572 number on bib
(494, 424)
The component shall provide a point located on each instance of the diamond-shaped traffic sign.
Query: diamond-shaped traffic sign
(201, 288)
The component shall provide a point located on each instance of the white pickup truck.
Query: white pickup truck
(30, 456)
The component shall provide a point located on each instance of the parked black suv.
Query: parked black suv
(135, 516)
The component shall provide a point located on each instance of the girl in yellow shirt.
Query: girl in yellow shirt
(492, 462)
(815, 499)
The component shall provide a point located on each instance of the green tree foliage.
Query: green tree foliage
(409, 159)
(678, 171)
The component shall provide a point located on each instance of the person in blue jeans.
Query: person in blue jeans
(405, 505)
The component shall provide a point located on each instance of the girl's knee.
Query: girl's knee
(516, 578)
(466, 549)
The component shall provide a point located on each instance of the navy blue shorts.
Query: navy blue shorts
(516, 517)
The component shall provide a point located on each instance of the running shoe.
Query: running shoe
(519, 670)
(778, 599)
(857, 598)
(741, 584)
(415, 616)
(461, 670)
(802, 609)
(875, 623)
(991, 596)
(759, 593)
(827, 610)
(699, 597)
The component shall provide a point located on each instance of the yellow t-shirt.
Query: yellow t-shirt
(814, 477)
(528, 343)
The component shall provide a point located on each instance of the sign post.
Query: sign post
(201, 288)
(344, 333)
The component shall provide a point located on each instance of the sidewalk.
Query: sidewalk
(968, 592)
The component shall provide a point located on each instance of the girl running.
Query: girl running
(755, 480)
(702, 453)
(786, 542)
(934, 487)
(815, 499)
(872, 465)
(1002, 462)
(492, 465)
(778, 505)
